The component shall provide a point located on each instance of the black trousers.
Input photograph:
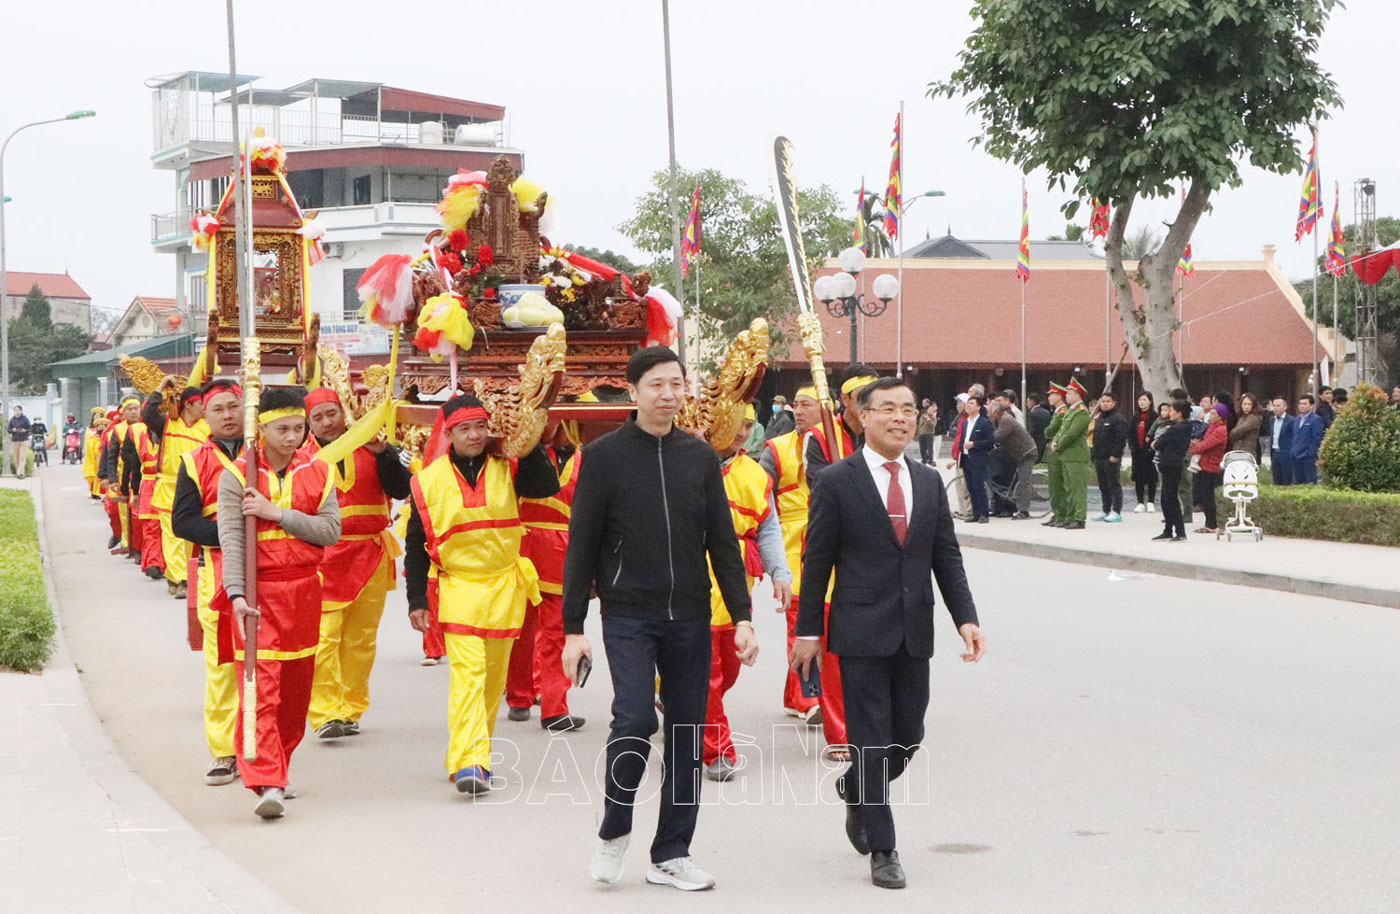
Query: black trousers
(638, 651)
(886, 699)
(926, 449)
(1206, 484)
(975, 473)
(1171, 502)
(1110, 485)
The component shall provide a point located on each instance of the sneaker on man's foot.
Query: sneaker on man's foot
(1140, 507)
(222, 771)
(607, 859)
(182, 591)
(351, 727)
(114, 542)
(721, 769)
(1099, 516)
(1114, 518)
(1151, 508)
(562, 723)
(269, 804)
(169, 587)
(682, 873)
(154, 573)
(518, 714)
(430, 661)
(812, 717)
(331, 729)
(473, 780)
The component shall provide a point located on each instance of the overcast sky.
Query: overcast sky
(583, 85)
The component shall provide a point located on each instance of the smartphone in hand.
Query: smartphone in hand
(585, 666)
(812, 682)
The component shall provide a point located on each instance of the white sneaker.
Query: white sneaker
(1150, 508)
(270, 804)
(1140, 508)
(222, 771)
(607, 859)
(1100, 516)
(682, 873)
(1114, 518)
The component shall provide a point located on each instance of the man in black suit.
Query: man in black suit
(979, 436)
(876, 518)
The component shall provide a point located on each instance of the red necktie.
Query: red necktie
(894, 503)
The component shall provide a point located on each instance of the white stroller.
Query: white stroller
(1240, 483)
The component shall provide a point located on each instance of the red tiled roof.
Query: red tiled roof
(53, 285)
(156, 306)
(969, 314)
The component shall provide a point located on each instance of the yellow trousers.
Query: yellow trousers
(175, 550)
(220, 680)
(477, 682)
(126, 524)
(345, 652)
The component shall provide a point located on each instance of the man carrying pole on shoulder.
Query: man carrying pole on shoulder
(818, 452)
(293, 500)
(358, 570)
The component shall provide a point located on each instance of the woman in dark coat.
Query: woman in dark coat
(1245, 435)
(1140, 440)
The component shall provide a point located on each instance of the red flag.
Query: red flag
(1098, 220)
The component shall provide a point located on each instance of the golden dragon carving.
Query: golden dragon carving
(718, 411)
(519, 415)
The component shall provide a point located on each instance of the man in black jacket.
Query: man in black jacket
(1038, 416)
(649, 505)
(1110, 435)
(881, 522)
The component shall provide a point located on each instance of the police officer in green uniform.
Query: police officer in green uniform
(1071, 446)
(1056, 396)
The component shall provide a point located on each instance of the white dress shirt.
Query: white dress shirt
(876, 463)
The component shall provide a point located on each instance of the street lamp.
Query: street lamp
(4, 290)
(838, 292)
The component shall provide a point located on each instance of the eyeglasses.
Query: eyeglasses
(908, 412)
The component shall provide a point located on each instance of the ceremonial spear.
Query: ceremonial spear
(252, 390)
(809, 326)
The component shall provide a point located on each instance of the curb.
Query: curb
(140, 812)
(1332, 590)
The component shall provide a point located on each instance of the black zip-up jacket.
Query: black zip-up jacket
(1110, 435)
(646, 512)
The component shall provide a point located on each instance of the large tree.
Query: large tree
(35, 341)
(743, 267)
(1387, 299)
(1129, 99)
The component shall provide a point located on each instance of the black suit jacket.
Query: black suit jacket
(884, 594)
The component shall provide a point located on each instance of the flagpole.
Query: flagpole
(1023, 301)
(1338, 354)
(1316, 373)
(899, 302)
(1107, 330)
(675, 206)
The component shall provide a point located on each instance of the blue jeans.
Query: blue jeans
(975, 472)
(638, 651)
(1305, 470)
(1282, 466)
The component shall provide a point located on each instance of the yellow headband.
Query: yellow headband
(854, 384)
(282, 412)
(750, 414)
(809, 392)
(126, 400)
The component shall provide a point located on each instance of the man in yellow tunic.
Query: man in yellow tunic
(463, 542)
(176, 437)
(92, 451)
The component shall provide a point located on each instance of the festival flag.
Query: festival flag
(1184, 266)
(860, 217)
(1098, 221)
(892, 190)
(1023, 250)
(690, 237)
(1336, 262)
(1310, 205)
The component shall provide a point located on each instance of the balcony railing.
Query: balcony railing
(169, 227)
(173, 228)
(302, 128)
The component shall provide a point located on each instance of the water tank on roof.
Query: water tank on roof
(475, 135)
(430, 132)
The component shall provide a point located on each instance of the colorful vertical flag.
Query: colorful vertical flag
(1023, 250)
(1098, 220)
(892, 189)
(1184, 266)
(1310, 205)
(860, 217)
(690, 236)
(1336, 262)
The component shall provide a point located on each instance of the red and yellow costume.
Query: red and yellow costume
(109, 492)
(482, 585)
(536, 667)
(289, 601)
(749, 490)
(92, 454)
(116, 440)
(204, 465)
(145, 513)
(356, 574)
(178, 440)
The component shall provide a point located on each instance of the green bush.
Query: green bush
(1362, 448)
(1315, 512)
(26, 621)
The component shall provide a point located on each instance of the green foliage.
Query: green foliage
(1072, 233)
(36, 341)
(872, 217)
(1387, 293)
(1362, 448)
(26, 622)
(614, 260)
(1121, 98)
(1315, 512)
(743, 266)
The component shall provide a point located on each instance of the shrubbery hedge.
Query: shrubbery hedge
(26, 621)
(1315, 512)
(1362, 448)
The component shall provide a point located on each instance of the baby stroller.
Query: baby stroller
(1240, 484)
(73, 447)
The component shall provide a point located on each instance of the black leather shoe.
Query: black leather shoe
(885, 870)
(112, 543)
(1162, 536)
(855, 828)
(518, 714)
(563, 723)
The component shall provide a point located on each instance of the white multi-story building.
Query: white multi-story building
(369, 159)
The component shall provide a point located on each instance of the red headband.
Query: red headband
(221, 389)
(464, 414)
(321, 395)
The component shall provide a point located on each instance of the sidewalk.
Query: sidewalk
(79, 830)
(1340, 571)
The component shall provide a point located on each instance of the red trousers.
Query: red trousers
(433, 644)
(792, 687)
(284, 695)
(536, 665)
(724, 672)
(832, 704)
(152, 554)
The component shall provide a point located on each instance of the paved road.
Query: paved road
(1151, 745)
